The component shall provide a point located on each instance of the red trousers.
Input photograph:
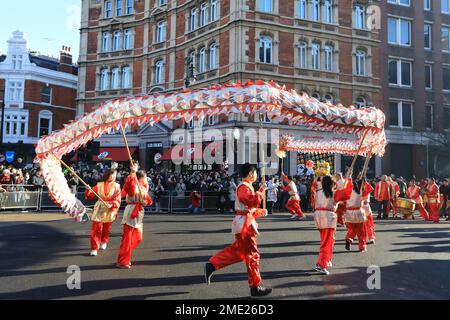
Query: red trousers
(340, 213)
(357, 229)
(392, 205)
(130, 240)
(294, 207)
(434, 211)
(423, 212)
(99, 233)
(326, 246)
(370, 228)
(241, 250)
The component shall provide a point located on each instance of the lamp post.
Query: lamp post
(236, 136)
(2, 118)
(189, 71)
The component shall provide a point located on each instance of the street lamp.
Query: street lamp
(236, 136)
(2, 118)
(189, 62)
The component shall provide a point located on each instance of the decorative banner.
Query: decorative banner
(249, 98)
(315, 163)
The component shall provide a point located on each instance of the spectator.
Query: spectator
(38, 180)
(272, 194)
(194, 207)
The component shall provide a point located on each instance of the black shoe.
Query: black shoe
(347, 245)
(378, 217)
(209, 270)
(260, 291)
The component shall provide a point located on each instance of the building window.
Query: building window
(203, 14)
(428, 76)
(212, 120)
(429, 117)
(107, 9)
(127, 40)
(445, 39)
(400, 72)
(46, 95)
(126, 77)
(214, 7)
(361, 102)
(161, 2)
(359, 16)
(427, 5)
(445, 6)
(104, 79)
(401, 2)
(302, 9)
(315, 10)
(265, 50)
(17, 62)
(118, 7)
(105, 45)
(160, 31)
(213, 57)
(329, 98)
(16, 124)
(202, 60)
(266, 6)
(303, 55)
(399, 31)
(193, 19)
(400, 114)
(360, 63)
(129, 6)
(192, 56)
(115, 78)
(427, 36)
(328, 58)
(15, 91)
(328, 12)
(316, 95)
(315, 56)
(159, 71)
(446, 78)
(116, 41)
(45, 123)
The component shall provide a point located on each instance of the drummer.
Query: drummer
(413, 193)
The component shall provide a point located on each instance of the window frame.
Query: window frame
(430, 36)
(47, 115)
(360, 60)
(430, 72)
(266, 43)
(159, 72)
(160, 31)
(400, 114)
(49, 95)
(399, 70)
(315, 47)
(398, 31)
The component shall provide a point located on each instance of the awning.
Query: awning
(116, 154)
(194, 151)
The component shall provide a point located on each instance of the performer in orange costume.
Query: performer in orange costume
(293, 204)
(432, 192)
(327, 199)
(103, 216)
(394, 192)
(137, 198)
(382, 195)
(413, 193)
(245, 230)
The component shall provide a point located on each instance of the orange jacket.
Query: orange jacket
(382, 191)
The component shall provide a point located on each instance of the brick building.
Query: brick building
(40, 95)
(324, 48)
(416, 84)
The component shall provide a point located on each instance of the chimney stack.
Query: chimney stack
(65, 60)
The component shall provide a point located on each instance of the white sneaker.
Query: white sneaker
(93, 253)
(294, 216)
(322, 270)
(329, 264)
(371, 241)
(103, 246)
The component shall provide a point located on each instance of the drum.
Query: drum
(405, 206)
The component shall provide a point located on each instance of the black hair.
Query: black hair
(246, 169)
(358, 184)
(141, 174)
(327, 186)
(108, 174)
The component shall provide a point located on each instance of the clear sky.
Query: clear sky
(47, 24)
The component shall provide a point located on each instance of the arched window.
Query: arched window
(329, 98)
(118, 7)
(107, 9)
(302, 49)
(361, 102)
(213, 56)
(328, 58)
(214, 7)
(316, 95)
(193, 19)
(203, 14)
(359, 16)
(105, 44)
(115, 78)
(302, 9)
(315, 56)
(265, 50)
(160, 31)
(202, 60)
(327, 11)
(116, 41)
(315, 10)
(45, 123)
(129, 6)
(159, 71)
(127, 40)
(360, 68)
(104, 79)
(126, 77)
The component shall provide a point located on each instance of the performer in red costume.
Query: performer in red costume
(382, 195)
(340, 183)
(355, 217)
(315, 185)
(293, 204)
(369, 225)
(137, 198)
(432, 192)
(327, 198)
(245, 229)
(103, 216)
(413, 193)
(394, 192)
